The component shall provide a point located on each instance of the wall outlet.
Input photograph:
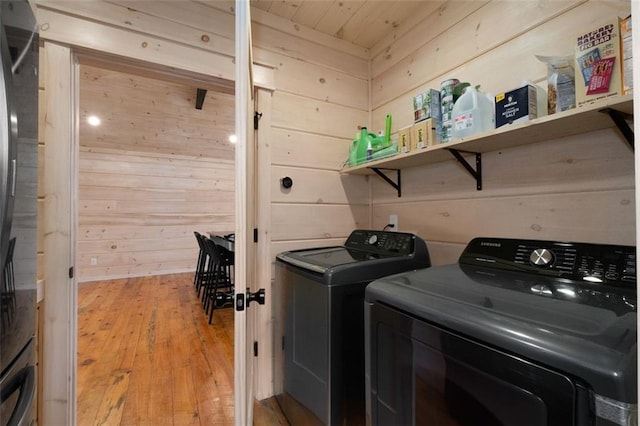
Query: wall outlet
(393, 220)
(94, 261)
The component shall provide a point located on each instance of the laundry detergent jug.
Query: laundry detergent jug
(472, 113)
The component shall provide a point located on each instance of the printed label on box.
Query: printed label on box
(601, 76)
(597, 53)
(627, 55)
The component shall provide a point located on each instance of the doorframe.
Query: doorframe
(263, 382)
(60, 134)
(59, 304)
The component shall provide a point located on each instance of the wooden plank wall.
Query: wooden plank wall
(321, 98)
(153, 172)
(579, 188)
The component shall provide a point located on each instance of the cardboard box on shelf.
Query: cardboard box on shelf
(627, 55)
(522, 104)
(598, 63)
(423, 134)
(404, 139)
(426, 105)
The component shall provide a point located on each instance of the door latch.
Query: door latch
(258, 296)
(223, 298)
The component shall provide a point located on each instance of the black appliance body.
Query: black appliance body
(321, 292)
(18, 201)
(518, 332)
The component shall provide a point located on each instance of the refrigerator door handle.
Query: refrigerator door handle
(14, 171)
(24, 382)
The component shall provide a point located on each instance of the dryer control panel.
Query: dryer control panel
(383, 243)
(594, 263)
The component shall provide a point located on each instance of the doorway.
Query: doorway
(154, 165)
(60, 101)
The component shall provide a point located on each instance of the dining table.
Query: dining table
(226, 240)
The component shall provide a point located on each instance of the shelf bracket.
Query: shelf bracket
(620, 120)
(477, 173)
(396, 185)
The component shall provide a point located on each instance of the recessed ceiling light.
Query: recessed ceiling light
(93, 120)
(233, 138)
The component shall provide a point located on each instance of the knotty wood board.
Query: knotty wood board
(294, 112)
(312, 221)
(435, 20)
(195, 24)
(292, 147)
(376, 18)
(317, 81)
(112, 40)
(319, 187)
(602, 217)
(412, 23)
(272, 39)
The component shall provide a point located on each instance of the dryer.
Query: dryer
(520, 332)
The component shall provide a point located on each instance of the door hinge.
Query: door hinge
(255, 235)
(256, 118)
(71, 272)
(255, 348)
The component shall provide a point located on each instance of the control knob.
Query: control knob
(373, 239)
(541, 257)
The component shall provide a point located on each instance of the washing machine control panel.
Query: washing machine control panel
(382, 243)
(593, 263)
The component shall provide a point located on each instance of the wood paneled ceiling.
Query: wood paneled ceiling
(361, 22)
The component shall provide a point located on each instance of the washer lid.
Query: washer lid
(583, 330)
(321, 259)
(341, 265)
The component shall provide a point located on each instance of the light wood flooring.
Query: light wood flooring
(147, 356)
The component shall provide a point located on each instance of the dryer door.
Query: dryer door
(422, 374)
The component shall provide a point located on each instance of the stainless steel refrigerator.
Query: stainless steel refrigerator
(18, 202)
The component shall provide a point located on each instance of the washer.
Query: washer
(321, 296)
(517, 332)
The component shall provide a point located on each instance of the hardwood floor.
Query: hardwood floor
(147, 356)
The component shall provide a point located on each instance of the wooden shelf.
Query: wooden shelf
(566, 123)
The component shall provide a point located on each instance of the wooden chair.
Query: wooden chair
(227, 261)
(199, 275)
(218, 285)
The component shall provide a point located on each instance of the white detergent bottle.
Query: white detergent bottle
(472, 113)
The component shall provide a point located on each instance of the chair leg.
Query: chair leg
(213, 304)
(198, 273)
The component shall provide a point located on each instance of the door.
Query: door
(245, 223)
